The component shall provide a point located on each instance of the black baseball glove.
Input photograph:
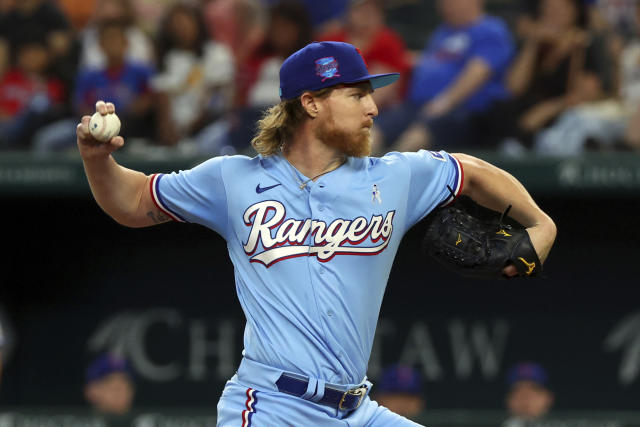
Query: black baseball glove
(474, 244)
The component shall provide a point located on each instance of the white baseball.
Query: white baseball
(104, 127)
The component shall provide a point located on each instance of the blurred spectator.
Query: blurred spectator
(194, 84)
(629, 91)
(399, 389)
(29, 96)
(616, 23)
(139, 46)
(109, 387)
(79, 12)
(528, 398)
(458, 76)
(383, 50)
(629, 67)
(559, 65)
(589, 126)
(325, 16)
(238, 24)
(149, 13)
(510, 11)
(121, 81)
(613, 15)
(288, 31)
(20, 19)
(6, 7)
(258, 80)
(413, 20)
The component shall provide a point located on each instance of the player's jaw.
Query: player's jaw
(349, 141)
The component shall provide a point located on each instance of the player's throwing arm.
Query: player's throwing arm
(119, 191)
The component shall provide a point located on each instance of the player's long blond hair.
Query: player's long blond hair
(279, 122)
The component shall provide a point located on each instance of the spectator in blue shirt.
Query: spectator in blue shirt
(459, 75)
(120, 81)
(125, 83)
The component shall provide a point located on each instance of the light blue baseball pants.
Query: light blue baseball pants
(251, 399)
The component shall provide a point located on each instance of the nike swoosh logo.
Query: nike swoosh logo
(263, 189)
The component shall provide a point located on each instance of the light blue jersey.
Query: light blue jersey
(311, 259)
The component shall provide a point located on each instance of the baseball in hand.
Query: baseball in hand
(104, 127)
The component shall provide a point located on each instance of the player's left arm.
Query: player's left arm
(496, 189)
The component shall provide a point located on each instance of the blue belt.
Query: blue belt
(342, 400)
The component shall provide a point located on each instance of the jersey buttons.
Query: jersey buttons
(330, 313)
(321, 208)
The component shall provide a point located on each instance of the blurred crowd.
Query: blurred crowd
(555, 77)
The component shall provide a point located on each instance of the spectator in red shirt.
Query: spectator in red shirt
(238, 24)
(29, 96)
(289, 30)
(383, 49)
(257, 82)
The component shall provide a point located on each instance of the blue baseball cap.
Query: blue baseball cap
(527, 371)
(400, 379)
(323, 64)
(107, 364)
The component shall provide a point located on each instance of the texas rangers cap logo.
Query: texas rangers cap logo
(327, 68)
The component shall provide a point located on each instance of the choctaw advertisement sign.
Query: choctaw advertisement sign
(179, 358)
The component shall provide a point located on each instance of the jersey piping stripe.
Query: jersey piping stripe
(157, 199)
(459, 180)
(247, 414)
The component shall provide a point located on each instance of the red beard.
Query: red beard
(352, 144)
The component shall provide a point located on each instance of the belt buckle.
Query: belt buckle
(361, 392)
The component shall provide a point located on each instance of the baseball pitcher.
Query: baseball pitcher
(312, 225)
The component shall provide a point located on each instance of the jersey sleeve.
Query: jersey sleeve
(432, 175)
(197, 195)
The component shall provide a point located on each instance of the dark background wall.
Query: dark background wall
(73, 283)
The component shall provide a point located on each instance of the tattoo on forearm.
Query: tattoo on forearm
(157, 217)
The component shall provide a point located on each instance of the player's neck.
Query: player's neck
(312, 157)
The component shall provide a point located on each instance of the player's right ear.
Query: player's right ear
(309, 104)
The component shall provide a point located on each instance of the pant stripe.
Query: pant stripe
(252, 400)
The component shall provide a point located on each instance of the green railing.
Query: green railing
(601, 174)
